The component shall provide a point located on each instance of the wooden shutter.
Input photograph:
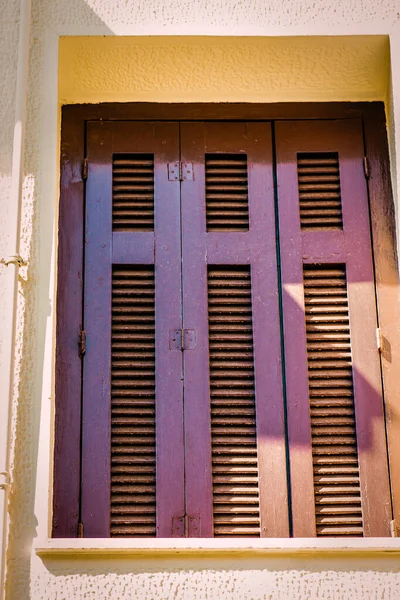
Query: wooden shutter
(235, 462)
(337, 446)
(132, 436)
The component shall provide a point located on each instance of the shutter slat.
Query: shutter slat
(333, 430)
(133, 192)
(319, 191)
(133, 471)
(233, 419)
(227, 205)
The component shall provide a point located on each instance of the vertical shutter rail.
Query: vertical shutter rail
(334, 442)
(233, 419)
(133, 192)
(319, 190)
(133, 461)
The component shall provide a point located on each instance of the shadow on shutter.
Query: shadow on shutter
(333, 429)
(233, 419)
(133, 461)
(133, 192)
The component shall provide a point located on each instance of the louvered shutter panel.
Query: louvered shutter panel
(132, 436)
(337, 449)
(133, 398)
(235, 477)
(235, 463)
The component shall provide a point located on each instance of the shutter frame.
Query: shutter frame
(68, 370)
(96, 387)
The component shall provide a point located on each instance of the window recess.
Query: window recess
(183, 428)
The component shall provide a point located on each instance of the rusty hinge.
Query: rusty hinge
(85, 169)
(383, 345)
(180, 171)
(82, 343)
(366, 167)
(80, 530)
(186, 526)
(182, 339)
(394, 529)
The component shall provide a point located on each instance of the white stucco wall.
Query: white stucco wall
(30, 576)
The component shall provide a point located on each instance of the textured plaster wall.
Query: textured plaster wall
(241, 69)
(288, 578)
(149, 74)
(8, 63)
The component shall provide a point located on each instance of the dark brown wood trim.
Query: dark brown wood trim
(218, 111)
(387, 283)
(66, 494)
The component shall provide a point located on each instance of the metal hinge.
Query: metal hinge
(379, 339)
(366, 167)
(180, 171)
(80, 530)
(394, 529)
(85, 169)
(186, 526)
(82, 343)
(182, 339)
(383, 345)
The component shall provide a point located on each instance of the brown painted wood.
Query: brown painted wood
(69, 293)
(387, 284)
(257, 248)
(161, 248)
(162, 139)
(219, 111)
(169, 384)
(267, 344)
(139, 245)
(344, 137)
(96, 391)
(66, 489)
(198, 499)
(298, 417)
(317, 246)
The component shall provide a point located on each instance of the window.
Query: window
(231, 383)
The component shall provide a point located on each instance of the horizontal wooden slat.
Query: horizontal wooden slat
(227, 206)
(133, 465)
(319, 191)
(233, 420)
(133, 192)
(334, 443)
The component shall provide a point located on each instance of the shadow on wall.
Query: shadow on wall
(39, 212)
(35, 309)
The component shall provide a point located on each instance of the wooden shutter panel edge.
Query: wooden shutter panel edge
(68, 365)
(383, 225)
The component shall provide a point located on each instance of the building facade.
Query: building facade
(92, 52)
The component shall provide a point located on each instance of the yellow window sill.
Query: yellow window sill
(171, 547)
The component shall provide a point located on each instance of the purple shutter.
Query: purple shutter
(234, 425)
(132, 432)
(337, 447)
